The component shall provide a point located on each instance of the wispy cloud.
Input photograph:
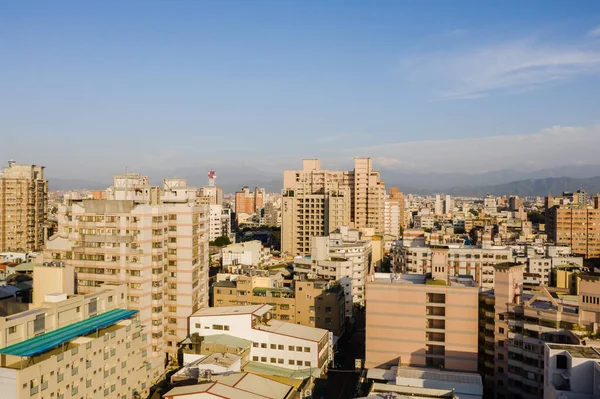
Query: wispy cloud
(512, 66)
(594, 32)
(557, 145)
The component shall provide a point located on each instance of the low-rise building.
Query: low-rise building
(274, 342)
(81, 346)
(234, 386)
(249, 253)
(313, 303)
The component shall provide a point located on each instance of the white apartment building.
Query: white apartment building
(448, 204)
(424, 221)
(86, 346)
(438, 207)
(249, 253)
(571, 371)
(457, 259)
(393, 217)
(153, 239)
(219, 222)
(274, 342)
(343, 256)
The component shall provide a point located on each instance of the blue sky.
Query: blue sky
(89, 87)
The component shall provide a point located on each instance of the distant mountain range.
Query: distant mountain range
(509, 181)
(533, 187)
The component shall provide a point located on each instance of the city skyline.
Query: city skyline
(157, 87)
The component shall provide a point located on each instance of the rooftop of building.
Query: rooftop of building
(52, 339)
(257, 310)
(219, 359)
(439, 375)
(268, 369)
(578, 351)
(293, 330)
(56, 345)
(236, 386)
(421, 279)
(227, 340)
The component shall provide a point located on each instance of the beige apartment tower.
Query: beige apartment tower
(420, 322)
(153, 239)
(577, 226)
(317, 202)
(23, 199)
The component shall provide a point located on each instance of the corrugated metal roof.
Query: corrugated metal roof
(45, 342)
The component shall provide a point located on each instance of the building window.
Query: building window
(263, 345)
(306, 349)
(280, 347)
(273, 360)
(263, 359)
(561, 362)
(255, 344)
(273, 346)
(299, 362)
(291, 362)
(198, 325)
(291, 348)
(12, 330)
(255, 358)
(501, 330)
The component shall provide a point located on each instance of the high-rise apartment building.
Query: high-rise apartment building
(448, 204)
(438, 206)
(344, 256)
(316, 202)
(577, 226)
(516, 324)
(415, 321)
(249, 202)
(393, 214)
(514, 203)
(154, 239)
(220, 222)
(23, 199)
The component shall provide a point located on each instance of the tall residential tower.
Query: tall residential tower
(154, 239)
(23, 199)
(317, 202)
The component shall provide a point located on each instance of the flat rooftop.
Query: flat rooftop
(293, 330)
(50, 340)
(235, 386)
(439, 375)
(276, 371)
(257, 310)
(586, 352)
(227, 340)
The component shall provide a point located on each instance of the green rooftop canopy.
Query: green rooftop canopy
(50, 340)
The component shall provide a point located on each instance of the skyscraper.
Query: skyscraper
(316, 202)
(23, 199)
